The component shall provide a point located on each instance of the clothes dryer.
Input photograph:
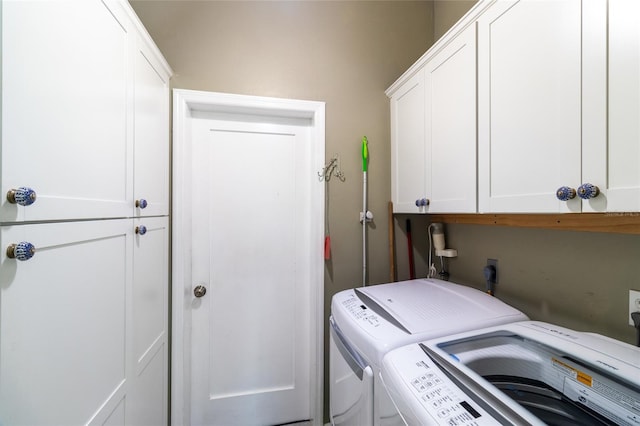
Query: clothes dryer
(368, 322)
(527, 373)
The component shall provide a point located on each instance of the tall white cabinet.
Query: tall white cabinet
(84, 251)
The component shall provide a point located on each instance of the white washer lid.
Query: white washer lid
(419, 306)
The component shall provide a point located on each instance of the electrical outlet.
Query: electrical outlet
(494, 263)
(634, 303)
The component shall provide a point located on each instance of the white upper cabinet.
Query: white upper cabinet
(65, 88)
(559, 106)
(450, 137)
(529, 105)
(611, 152)
(408, 160)
(84, 122)
(433, 131)
(558, 112)
(151, 135)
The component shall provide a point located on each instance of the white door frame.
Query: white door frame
(184, 102)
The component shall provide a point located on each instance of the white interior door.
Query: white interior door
(253, 342)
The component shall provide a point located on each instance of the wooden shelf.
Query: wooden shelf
(619, 223)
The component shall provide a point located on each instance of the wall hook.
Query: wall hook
(332, 168)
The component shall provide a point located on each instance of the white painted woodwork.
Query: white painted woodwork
(85, 322)
(621, 153)
(594, 162)
(63, 347)
(149, 299)
(529, 105)
(408, 155)
(65, 124)
(450, 136)
(151, 134)
(248, 225)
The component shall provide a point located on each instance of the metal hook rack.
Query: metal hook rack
(332, 168)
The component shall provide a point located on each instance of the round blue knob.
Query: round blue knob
(141, 230)
(142, 203)
(565, 193)
(587, 191)
(422, 202)
(22, 196)
(21, 251)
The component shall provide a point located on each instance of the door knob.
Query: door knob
(587, 191)
(141, 230)
(22, 196)
(565, 193)
(199, 291)
(21, 251)
(141, 203)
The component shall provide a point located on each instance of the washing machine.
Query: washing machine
(367, 322)
(527, 373)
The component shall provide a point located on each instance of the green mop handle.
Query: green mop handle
(365, 153)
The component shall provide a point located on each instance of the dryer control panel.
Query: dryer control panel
(366, 317)
(412, 378)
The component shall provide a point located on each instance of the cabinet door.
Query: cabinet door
(62, 323)
(595, 161)
(65, 83)
(151, 135)
(621, 152)
(529, 105)
(150, 321)
(407, 145)
(450, 102)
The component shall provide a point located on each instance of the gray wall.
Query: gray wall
(446, 13)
